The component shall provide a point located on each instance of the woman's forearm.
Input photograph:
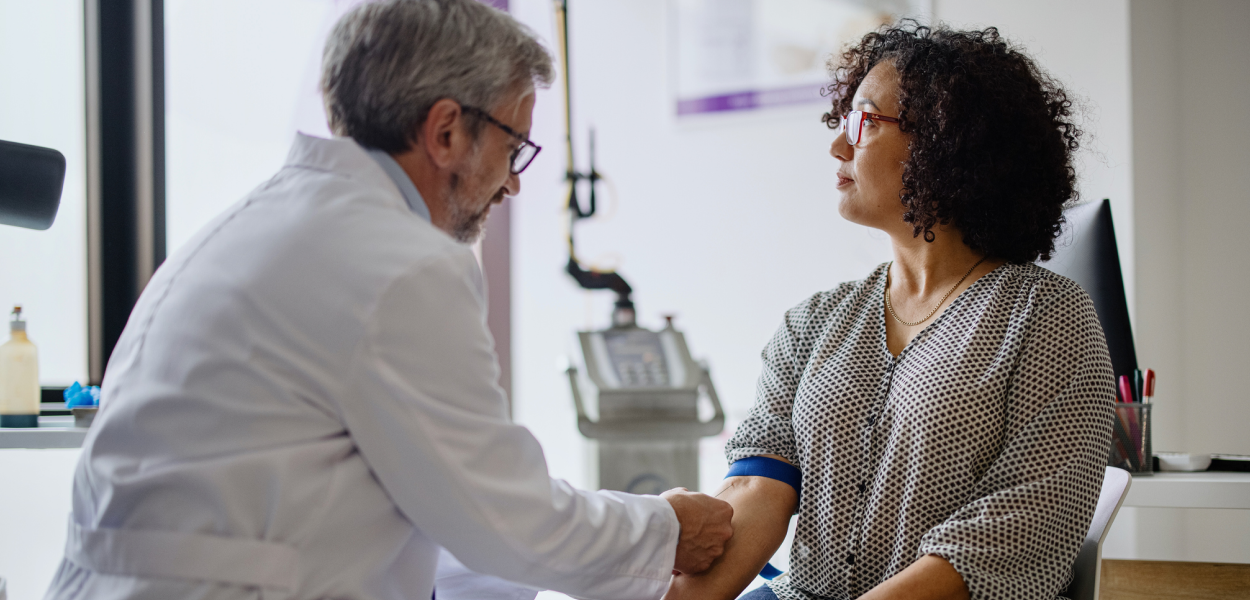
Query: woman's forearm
(930, 578)
(762, 509)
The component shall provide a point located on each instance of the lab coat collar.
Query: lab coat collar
(344, 156)
(402, 181)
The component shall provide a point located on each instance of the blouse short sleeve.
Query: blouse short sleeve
(1044, 485)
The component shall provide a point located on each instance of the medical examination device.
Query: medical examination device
(31, 178)
(642, 386)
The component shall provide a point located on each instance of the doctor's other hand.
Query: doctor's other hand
(705, 528)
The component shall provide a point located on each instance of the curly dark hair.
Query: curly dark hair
(992, 135)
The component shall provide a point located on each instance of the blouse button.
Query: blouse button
(850, 559)
(872, 420)
(863, 488)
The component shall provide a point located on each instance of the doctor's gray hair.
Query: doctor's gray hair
(386, 63)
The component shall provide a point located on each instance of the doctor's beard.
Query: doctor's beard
(465, 219)
(467, 223)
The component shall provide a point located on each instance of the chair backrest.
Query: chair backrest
(1087, 569)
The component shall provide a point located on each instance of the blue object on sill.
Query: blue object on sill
(77, 395)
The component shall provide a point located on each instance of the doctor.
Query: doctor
(303, 403)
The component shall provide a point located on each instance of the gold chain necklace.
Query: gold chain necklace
(935, 308)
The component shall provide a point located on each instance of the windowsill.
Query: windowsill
(53, 432)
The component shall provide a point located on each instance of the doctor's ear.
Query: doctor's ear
(443, 136)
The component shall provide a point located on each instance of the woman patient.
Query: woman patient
(950, 414)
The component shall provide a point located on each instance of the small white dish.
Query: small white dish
(1182, 462)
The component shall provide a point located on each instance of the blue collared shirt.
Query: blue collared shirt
(402, 181)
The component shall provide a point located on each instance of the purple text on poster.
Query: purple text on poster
(500, 4)
(748, 100)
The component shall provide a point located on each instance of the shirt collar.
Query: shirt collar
(402, 181)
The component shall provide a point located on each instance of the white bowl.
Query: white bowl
(1180, 461)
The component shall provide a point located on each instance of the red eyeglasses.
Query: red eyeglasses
(853, 124)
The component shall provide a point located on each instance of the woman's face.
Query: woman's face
(870, 176)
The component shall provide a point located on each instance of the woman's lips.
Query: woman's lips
(844, 181)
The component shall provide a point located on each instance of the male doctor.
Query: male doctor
(304, 401)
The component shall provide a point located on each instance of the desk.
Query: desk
(53, 432)
(1209, 489)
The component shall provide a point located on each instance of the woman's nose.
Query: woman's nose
(840, 149)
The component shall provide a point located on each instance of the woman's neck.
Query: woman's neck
(922, 268)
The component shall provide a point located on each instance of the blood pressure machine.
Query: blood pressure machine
(646, 388)
(637, 393)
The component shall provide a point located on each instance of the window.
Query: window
(240, 80)
(42, 103)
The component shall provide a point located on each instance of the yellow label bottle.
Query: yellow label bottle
(19, 377)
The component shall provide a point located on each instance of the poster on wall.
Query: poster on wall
(742, 55)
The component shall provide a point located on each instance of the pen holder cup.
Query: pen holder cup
(1130, 438)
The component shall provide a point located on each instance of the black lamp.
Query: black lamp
(31, 178)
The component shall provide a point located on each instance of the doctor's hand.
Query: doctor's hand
(705, 527)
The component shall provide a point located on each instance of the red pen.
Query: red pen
(1149, 392)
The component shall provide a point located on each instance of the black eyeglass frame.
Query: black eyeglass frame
(525, 141)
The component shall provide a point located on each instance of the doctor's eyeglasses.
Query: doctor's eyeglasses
(852, 124)
(524, 154)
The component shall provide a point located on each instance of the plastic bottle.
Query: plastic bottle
(19, 377)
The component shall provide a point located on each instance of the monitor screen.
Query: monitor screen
(1086, 253)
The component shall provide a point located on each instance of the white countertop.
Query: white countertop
(1208, 489)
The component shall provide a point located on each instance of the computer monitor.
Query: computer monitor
(1086, 253)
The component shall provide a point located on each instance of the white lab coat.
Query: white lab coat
(454, 581)
(304, 405)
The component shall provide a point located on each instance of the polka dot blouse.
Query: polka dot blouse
(983, 442)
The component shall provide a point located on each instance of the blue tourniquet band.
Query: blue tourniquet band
(770, 572)
(762, 466)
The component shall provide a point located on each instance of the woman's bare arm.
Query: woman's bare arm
(930, 578)
(762, 509)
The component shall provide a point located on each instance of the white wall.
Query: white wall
(1213, 81)
(1189, 208)
(1191, 203)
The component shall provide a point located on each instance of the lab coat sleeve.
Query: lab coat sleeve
(424, 408)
